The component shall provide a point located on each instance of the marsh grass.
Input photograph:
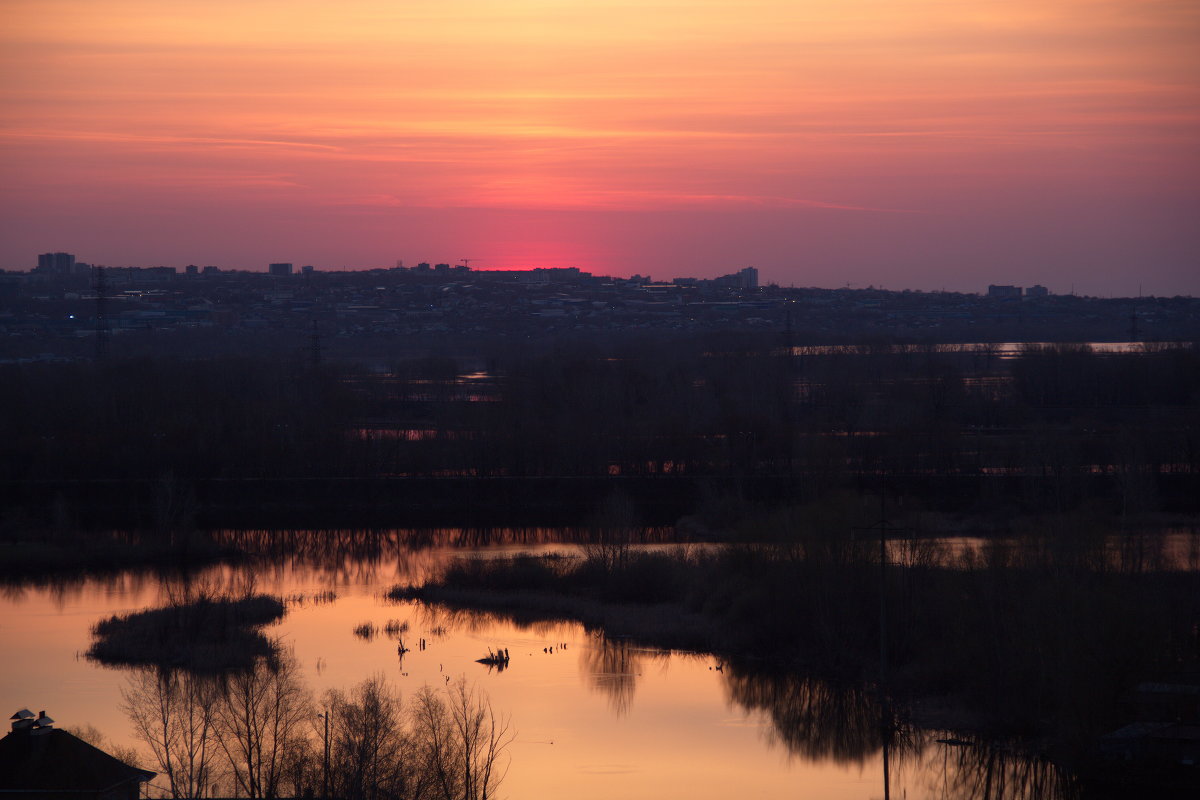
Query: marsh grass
(202, 634)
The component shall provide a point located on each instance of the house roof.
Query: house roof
(54, 760)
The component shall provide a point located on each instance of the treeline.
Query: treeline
(227, 418)
(1051, 427)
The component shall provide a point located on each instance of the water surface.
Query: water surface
(595, 717)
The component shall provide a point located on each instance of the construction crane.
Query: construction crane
(466, 262)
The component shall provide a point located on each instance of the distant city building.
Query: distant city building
(1037, 290)
(191, 270)
(307, 269)
(742, 279)
(1003, 292)
(552, 275)
(155, 274)
(56, 263)
(211, 270)
(280, 270)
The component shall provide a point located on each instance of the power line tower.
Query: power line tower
(102, 329)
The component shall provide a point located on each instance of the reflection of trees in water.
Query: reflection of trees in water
(811, 718)
(612, 667)
(357, 554)
(442, 618)
(64, 589)
(819, 720)
(993, 771)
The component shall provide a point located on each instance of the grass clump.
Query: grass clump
(204, 634)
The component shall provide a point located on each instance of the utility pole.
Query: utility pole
(885, 527)
(887, 725)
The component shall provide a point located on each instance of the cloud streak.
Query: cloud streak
(999, 114)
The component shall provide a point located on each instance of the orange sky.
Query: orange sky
(923, 143)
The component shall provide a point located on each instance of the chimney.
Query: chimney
(22, 720)
(43, 724)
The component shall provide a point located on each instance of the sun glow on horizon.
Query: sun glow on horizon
(968, 121)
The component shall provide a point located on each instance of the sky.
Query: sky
(924, 144)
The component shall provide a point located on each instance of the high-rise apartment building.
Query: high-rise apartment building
(56, 263)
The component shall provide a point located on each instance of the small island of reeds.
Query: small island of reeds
(202, 634)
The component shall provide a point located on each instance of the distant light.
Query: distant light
(70, 316)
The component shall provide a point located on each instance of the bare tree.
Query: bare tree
(612, 528)
(261, 716)
(369, 757)
(173, 714)
(96, 738)
(462, 743)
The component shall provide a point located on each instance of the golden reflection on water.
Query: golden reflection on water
(596, 716)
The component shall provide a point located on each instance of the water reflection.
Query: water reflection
(612, 687)
(978, 770)
(408, 555)
(335, 558)
(811, 718)
(612, 666)
(818, 720)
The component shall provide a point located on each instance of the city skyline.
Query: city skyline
(912, 145)
(62, 265)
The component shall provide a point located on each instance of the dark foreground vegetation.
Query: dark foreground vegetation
(1042, 636)
(536, 436)
(259, 733)
(1064, 450)
(202, 634)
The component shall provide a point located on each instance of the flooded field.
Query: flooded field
(595, 717)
